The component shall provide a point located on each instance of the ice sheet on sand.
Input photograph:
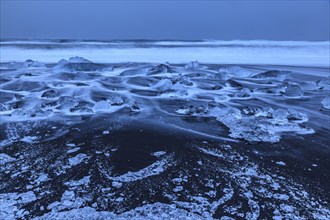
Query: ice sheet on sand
(5, 158)
(10, 203)
(77, 159)
(259, 126)
(151, 170)
(150, 211)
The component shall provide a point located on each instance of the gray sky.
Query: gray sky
(184, 20)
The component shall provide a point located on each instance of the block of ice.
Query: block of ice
(259, 111)
(236, 71)
(161, 68)
(102, 106)
(323, 84)
(134, 107)
(326, 102)
(243, 93)
(49, 94)
(33, 63)
(5, 158)
(193, 110)
(116, 100)
(293, 91)
(77, 59)
(67, 102)
(163, 85)
(30, 113)
(78, 64)
(192, 65)
(280, 116)
(273, 74)
(260, 124)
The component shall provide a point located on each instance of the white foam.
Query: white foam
(243, 52)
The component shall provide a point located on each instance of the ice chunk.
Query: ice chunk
(271, 90)
(77, 59)
(32, 63)
(82, 110)
(49, 94)
(296, 116)
(5, 158)
(233, 83)
(243, 93)
(159, 153)
(161, 68)
(116, 100)
(227, 112)
(3, 107)
(259, 111)
(293, 91)
(260, 125)
(236, 71)
(78, 64)
(193, 110)
(280, 116)
(67, 102)
(77, 159)
(102, 106)
(134, 107)
(326, 102)
(163, 85)
(273, 74)
(192, 65)
(323, 84)
(27, 113)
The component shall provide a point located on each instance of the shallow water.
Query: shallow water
(120, 140)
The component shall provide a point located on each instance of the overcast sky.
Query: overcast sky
(184, 20)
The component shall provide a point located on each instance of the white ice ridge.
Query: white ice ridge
(151, 170)
(239, 52)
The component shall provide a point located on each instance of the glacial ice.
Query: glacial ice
(5, 158)
(236, 71)
(49, 94)
(77, 59)
(258, 125)
(167, 86)
(67, 102)
(102, 106)
(30, 113)
(116, 100)
(323, 84)
(161, 68)
(243, 93)
(293, 91)
(326, 102)
(273, 74)
(193, 110)
(77, 64)
(192, 65)
(33, 63)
